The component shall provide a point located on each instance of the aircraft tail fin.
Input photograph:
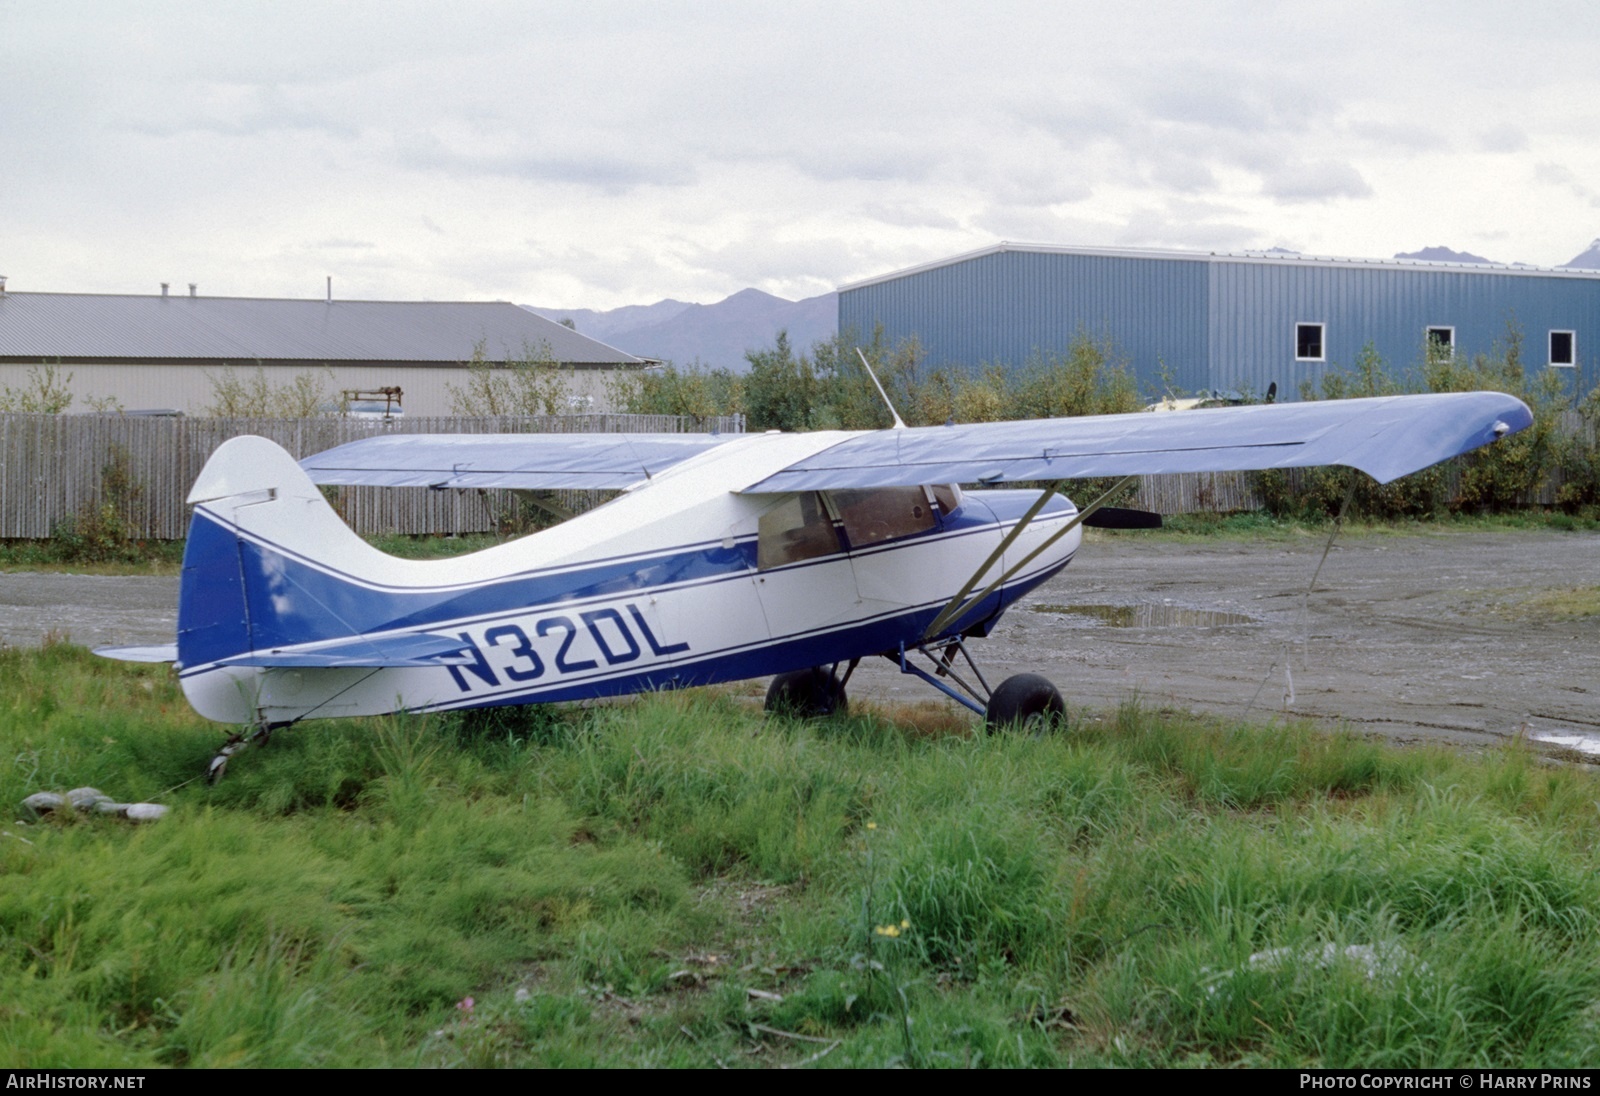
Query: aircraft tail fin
(268, 563)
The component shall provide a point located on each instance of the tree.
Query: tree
(253, 396)
(46, 393)
(533, 384)
(780, 390)
(669, 390)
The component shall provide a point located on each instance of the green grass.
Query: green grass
(147, 557)
(680, 882)
(1572, 603)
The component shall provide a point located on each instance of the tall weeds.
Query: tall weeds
(680, 882)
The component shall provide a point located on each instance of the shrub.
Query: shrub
(828, 389)
(103, 529)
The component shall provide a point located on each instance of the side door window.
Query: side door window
(877, 514)
(797, 529)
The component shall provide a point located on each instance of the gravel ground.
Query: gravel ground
(1457, 637)
(93, 610)
(1454, 636)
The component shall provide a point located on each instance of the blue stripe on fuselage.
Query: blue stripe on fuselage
(242, 593)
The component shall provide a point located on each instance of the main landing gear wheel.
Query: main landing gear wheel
(807, 694)
(1027, 701)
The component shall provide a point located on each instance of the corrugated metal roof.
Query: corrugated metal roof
(96, 327)
(1286, 258)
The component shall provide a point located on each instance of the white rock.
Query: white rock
(1380, 961)
(93, 800)
(84, 798)
(42, 803)
(1383, 960)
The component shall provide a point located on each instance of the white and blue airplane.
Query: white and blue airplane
(725, 557)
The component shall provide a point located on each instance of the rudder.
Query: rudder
(257, 515)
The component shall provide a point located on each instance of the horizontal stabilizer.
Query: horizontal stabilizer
(1387, 437)
(413, 649)
(524, 461)
(159, 652)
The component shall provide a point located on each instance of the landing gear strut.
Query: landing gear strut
(1027, 700)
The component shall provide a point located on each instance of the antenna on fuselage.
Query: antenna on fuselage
(899, 423)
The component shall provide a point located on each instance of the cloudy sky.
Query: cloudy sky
(605, 153)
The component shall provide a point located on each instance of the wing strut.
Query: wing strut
(957, 608)
(1000, 549)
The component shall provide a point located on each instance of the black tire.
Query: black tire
(1027, 701)
(807, 694)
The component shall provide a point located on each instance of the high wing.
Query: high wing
(1386, 437)
(524, 461)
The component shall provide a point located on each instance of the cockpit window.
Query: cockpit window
(796, 529)
(883, 513)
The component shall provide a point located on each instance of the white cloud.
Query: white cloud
(1322, 181)
(1506, 137)
(596, 155)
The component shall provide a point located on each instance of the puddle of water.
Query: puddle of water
(1583, 743)
(1149, 615)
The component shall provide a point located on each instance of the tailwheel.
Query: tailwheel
(258, 736)
(1026, 701)
(808, 694)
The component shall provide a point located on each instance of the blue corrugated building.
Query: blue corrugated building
(1227, 321)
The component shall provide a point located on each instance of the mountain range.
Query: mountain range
(1443, 255)
(1588, 259)
(718, 335)
(713, 335)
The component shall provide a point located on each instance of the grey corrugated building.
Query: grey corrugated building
(1227, 321)
(164, 350)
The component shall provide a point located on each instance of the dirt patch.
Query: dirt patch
(93, 610)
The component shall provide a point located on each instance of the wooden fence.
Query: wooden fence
(54, 468)
(1196, 492)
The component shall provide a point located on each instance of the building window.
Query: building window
(1308, 342)
(1441, 340)
(1563, 348)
